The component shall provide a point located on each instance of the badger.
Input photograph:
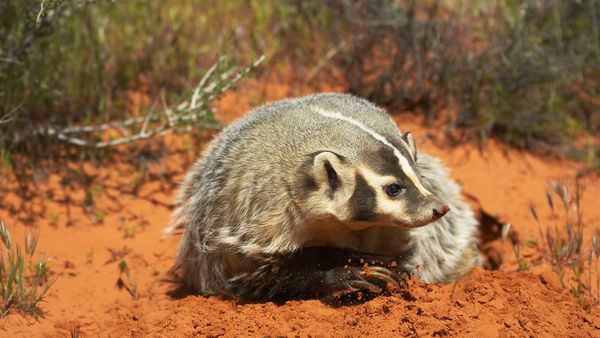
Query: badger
(318, 196)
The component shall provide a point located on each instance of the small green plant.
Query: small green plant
(532, 242)
(128, 231)
(21, 277)
(99, 215)
(89, 256)
(88, 200)
(563, 246)
(522, 263)
(53, 218)
(516, 245)
(126, 281)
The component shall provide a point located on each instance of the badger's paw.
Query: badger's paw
(367, 279)
(316, 272)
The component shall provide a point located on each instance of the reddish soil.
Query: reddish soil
(85, 247)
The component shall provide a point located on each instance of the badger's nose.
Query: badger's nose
(441, 211)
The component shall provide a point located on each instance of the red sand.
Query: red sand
(84, 256)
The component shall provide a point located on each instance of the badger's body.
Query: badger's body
(286, 200)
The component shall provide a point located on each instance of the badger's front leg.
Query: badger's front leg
(316, 272)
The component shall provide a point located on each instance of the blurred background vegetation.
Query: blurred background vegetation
(526, 72)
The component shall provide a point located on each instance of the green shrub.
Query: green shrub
(523, 71)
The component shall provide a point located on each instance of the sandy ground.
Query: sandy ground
(86, 246)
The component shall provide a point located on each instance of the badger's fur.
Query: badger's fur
(287, 200)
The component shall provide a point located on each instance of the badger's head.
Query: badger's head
(379, 186)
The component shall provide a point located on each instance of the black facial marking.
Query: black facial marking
(387, 163)
(305, 181)
(363, 201)
(309, 183)
(332, 179)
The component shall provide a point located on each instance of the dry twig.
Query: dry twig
(184, 117)
(5, 119)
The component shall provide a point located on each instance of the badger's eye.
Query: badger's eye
(393, 189)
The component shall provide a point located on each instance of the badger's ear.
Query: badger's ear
(328, 168)
(408, 139)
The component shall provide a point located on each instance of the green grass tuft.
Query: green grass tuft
(23, 280)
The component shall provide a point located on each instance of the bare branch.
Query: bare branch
(168, 112)
(202, 82)
(10, 60)
(145, 125)
(182, 118)
(38, 19)
(330, 55)
(5, 119)
(8, 116)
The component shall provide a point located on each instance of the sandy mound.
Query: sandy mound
(485, 304)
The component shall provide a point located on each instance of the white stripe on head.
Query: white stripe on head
(408, 150)
(404, 164)
(404, 143)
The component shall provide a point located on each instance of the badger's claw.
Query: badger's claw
(371, 279)
(358, 285)
(380, 276)
(396, 278)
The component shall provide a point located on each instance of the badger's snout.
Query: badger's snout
(426, 215)
(441, 211)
